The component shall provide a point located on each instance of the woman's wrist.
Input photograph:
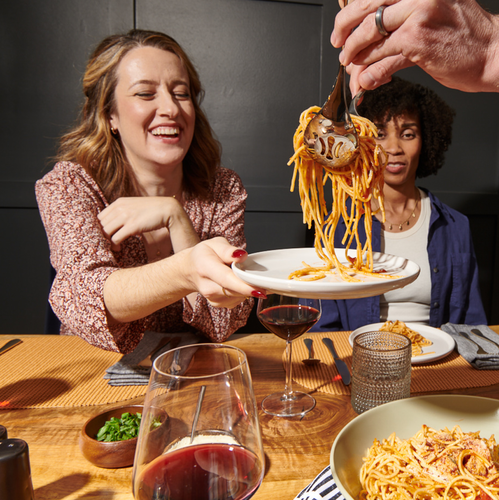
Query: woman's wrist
(182, 233)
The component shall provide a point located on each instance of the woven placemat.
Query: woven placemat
(451, 372)
(59, 371)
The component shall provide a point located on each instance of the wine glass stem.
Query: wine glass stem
(288, 388)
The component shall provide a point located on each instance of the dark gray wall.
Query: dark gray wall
(261, 62)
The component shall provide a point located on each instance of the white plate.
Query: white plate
(443, 343)
(405, 417)
(270, 270)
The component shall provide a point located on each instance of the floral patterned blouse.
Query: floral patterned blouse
(69, 201)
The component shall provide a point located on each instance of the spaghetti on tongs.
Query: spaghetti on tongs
(361, 180)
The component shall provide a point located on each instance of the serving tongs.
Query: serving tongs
(352, 109)
(330, 136)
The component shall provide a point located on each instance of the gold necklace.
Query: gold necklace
(407, 221)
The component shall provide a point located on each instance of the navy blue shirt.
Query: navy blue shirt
(455, 293)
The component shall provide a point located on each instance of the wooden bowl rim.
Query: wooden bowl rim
(120, 410)
(91, 420)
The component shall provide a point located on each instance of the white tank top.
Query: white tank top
(411, 303)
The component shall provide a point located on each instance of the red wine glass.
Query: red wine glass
(213, 447)
(288, 318)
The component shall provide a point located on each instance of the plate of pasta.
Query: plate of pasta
(427, 447)
(428, 343)
(271, 270)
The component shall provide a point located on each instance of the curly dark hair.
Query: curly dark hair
(435, 116)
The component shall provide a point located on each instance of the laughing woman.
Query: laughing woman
(142, 221)
(415, 130)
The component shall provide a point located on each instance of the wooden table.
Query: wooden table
(296, 449)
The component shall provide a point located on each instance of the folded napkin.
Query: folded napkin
(131, 368)
(322, 487)
(469, 350)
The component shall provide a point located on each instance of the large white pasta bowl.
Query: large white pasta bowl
(406, 417)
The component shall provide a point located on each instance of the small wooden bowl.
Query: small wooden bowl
(114, 454)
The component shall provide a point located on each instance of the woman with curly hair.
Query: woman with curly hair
(142, 220)
(415, 130)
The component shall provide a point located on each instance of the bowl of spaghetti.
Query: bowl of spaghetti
(429, 445)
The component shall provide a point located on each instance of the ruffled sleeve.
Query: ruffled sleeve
(69, 202)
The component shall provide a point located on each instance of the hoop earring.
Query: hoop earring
(114, 131)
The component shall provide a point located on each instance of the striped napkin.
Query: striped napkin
(322, 487)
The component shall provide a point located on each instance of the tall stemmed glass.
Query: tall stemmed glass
(212, 449)
(288, 318)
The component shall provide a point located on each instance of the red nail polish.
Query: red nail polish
(258, 295)
(238, 253)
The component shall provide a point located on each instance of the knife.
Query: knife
(477, 332)
(340, 364)
(9, 345)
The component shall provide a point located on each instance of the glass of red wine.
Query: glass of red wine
(288, 318)
(213, 447)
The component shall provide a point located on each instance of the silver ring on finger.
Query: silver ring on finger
(378, 18)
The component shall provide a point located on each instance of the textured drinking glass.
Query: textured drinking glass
(212, 449)
(381, 369)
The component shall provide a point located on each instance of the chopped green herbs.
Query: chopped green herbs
(126, 427)
(120, 429)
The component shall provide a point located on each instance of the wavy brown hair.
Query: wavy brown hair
(91, 144)
(436, 117)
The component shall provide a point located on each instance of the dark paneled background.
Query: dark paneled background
(261, 62)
